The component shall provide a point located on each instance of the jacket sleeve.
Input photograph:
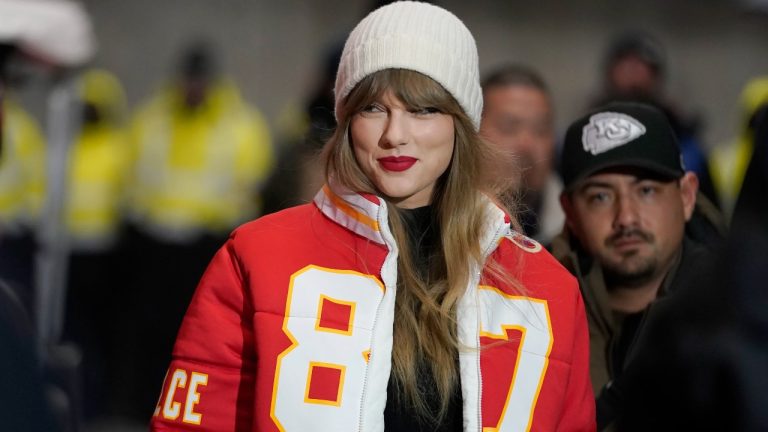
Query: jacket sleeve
(209, 384)
(579, 409)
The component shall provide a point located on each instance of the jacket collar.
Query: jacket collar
(363, 214)
(366, 215)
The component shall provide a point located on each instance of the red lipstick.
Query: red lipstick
(397, 163)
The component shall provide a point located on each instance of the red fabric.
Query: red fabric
(335, 316)
(324, 383)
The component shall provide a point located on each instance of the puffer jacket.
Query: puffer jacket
(290, 329)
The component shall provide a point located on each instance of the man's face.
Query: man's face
(518, 118)
(194, 92)
(631, 221)
(631, 75)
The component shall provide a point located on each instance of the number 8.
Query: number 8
(329, 318)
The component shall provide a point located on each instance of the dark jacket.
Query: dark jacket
(704, 362)
(613, 340)
(704, 358)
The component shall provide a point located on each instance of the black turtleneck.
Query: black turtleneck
(424, 236)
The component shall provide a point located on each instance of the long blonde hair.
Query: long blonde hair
(425, 307)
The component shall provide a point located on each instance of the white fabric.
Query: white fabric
(415, 36)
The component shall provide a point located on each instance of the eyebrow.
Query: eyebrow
(591, 183)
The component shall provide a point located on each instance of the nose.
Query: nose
(525, 140)
(395, 130)
(525, 147)
(626, 213)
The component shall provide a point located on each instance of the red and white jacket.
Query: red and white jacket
(290, 329)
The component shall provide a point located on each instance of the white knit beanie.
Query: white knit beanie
(416, 36)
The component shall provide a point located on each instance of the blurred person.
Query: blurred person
(98, 164)
(93, 212)
(751, 208)
(628, 200)
(400, 299)
(728, 162)
(635, 68)
(38, 393)
(704, 365)
(23, 402)
(519, 118)
(200, 155)
(22, 189)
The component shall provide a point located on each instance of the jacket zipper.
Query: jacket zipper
(371, 353)
(479, 373)
(486, 253)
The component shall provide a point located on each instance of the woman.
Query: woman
(400, 299)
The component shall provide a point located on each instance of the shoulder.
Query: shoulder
(523, 242)
(273, 237)
(535, 267)
(530, 254)
(276, 224)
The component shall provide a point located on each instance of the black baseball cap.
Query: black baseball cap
(620, 134)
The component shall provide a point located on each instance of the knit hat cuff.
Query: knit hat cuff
(417, 54)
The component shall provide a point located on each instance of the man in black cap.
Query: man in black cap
(627, 200)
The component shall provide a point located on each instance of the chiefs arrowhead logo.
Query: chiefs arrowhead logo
(608, 130)
(523, 242)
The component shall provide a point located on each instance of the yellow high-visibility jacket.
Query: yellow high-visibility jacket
(728, 162)
(197, 171)
(98, 166)
(22, 169)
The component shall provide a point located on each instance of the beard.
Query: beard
(631, 268)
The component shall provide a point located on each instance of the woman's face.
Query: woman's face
(402, 150)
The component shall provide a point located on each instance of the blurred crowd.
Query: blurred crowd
(129, 211)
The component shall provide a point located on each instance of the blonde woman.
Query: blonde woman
(400, 299)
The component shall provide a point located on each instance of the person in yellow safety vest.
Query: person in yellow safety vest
(93, 216)
(22, 185)
(728, 162)
(98, 164)
(200, 155)
(22, 170)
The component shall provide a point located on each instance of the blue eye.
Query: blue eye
(374, 107)
(426, 111)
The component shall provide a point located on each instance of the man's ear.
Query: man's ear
(689, 187)
(567, 205)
